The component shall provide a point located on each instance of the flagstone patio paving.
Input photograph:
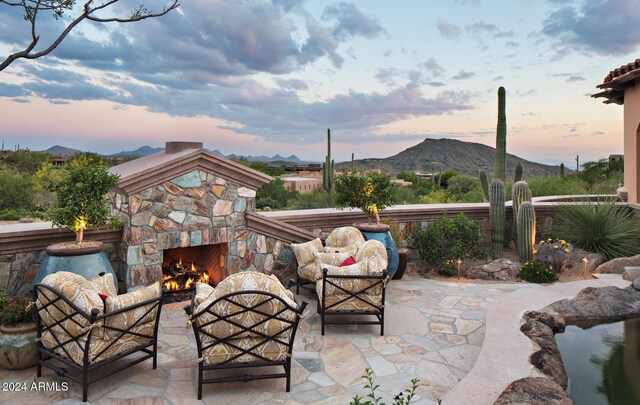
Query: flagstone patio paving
(434, 331)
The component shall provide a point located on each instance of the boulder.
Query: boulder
(631, 273)
(550, 362)
(636, 284)
(499, 269)
(540, 328)
(616, 266)
(597, 305)
(534, 390)
(573, 260)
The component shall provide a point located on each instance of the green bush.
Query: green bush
(537, 272)
(370, 192)
(556, 185)
(599, 227)
(447, 239)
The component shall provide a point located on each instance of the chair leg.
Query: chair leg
(287, 369)
(85, 383)
(155, 352)
(200, 372)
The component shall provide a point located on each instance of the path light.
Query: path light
(459, 263)
(586, 262)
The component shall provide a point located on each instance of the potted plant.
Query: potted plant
(399, 235)
(80, 204)
(370, 192)
(18, 346)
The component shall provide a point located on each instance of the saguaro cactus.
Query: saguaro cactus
(501, 137)
(353, 164)
(484, 184)
(561, 169)
(526, 231)
(520, 193)
(328, 166)
(496, 215)
(518, 174)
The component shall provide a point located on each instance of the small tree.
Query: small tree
(370, 192)
(88, 11)
(80, 195)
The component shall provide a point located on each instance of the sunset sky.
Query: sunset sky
(264, 77)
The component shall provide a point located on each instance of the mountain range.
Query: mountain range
(148, 150)
(430, 155)
(435, 155)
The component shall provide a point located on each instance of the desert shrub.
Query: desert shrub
(600, 227)
(551, 252)
(537, 272)
(556, 185)
(274, 195)
(447, 239)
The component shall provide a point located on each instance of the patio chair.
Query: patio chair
(340, 244)
(85, 325)
(246, 322)
(355, 291)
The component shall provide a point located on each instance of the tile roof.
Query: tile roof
(615, 83)
(622, 70)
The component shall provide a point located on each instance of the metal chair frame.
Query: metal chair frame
(48, 356)
(360, 295)
(200, 332)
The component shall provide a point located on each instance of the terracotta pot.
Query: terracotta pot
(18, 346)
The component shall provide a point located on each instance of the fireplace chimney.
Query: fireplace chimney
(175, 147)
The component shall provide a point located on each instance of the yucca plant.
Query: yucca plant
(600, 227)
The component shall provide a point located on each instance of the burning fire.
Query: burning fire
(171, 282)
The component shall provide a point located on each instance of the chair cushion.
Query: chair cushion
(346, 239)
(322, 260)
(226, 352)
(101, 348)
(304, 256)
(374, 255)
(76, 289)
(335, 294)
(257, 323)
(106, 285)
(127, 319)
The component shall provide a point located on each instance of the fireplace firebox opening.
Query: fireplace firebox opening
(183, 267)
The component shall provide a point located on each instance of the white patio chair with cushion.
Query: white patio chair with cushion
(247, 321)
(357, 289)
(85, 325)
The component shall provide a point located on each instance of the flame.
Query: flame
(204, 278)
(188, 283)
(171, 285)
(193, 267)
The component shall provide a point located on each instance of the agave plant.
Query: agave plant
(601, 227)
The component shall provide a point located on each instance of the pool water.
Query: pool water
(602, 362)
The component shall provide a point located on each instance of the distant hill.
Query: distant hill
(141, 151)
(148, 150)
(444, 154)
(262, 158)
(61, 150)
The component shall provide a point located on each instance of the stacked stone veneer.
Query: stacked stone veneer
(195, 209)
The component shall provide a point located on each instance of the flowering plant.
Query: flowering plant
(15, 310)
(551, 252)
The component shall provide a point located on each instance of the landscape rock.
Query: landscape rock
(499, 269)
(636, 284)
(550, 362)
(616, 266)
(573, 260)
(631, 273)
(597, 305)
(534, 390)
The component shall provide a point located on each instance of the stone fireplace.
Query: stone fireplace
(187, 202)
(182, 267)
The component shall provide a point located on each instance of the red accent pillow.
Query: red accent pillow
(103, 297)
(348, 261)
